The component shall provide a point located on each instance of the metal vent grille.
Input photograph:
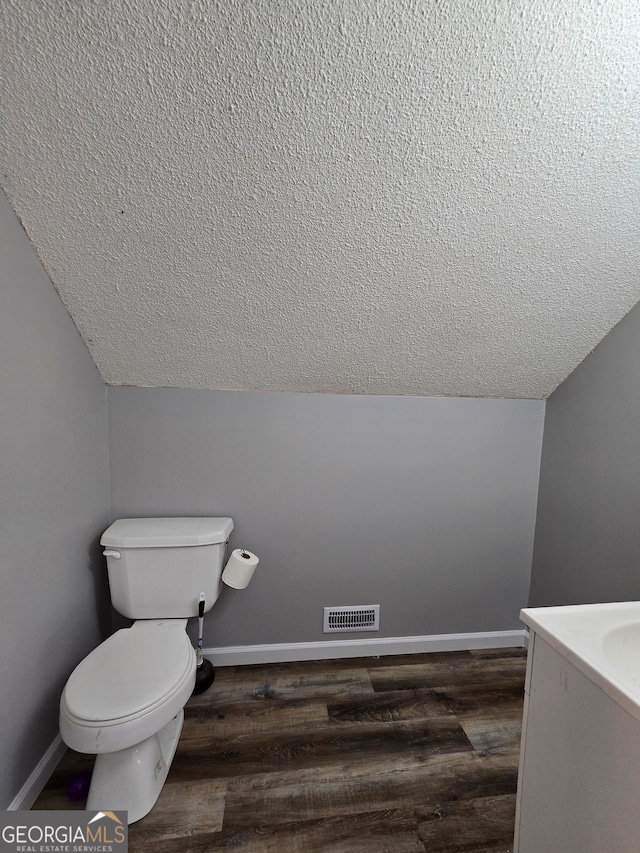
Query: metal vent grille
(361, 617)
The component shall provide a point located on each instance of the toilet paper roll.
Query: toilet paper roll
(240, 568)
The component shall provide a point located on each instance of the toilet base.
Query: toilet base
(131, 779)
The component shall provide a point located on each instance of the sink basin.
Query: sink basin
(601, 640)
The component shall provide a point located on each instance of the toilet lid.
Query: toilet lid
(133, 670)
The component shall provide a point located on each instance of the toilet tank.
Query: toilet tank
(159, 566)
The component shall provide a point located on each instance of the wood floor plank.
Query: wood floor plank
(500, 697)
(318, 748)
(415, 658)
(431, 674)
(494, 848)
(469, 825)
(388, 706)
(388, 831)
(184, 810)
(516, 652)
(492, 733)
(489, 776)
(263, 685)
(354, 787)
(335, 682)
(252, 717)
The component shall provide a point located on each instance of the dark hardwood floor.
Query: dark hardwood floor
(401, 754)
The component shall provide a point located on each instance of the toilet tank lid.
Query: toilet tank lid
(166, 532)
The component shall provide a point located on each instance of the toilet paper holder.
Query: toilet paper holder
(240, 568)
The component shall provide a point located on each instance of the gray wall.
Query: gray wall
(53, 503)
(587, 545)
(424, 505)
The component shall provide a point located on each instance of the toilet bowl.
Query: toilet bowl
(124, 702)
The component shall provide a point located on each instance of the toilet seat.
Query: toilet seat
(130, 685)
(131, 672)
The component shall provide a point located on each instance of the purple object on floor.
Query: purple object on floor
(78, 785)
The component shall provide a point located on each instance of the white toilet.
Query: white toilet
(124, 702)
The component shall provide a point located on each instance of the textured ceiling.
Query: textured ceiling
(381, 196)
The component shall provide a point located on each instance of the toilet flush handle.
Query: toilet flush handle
(109, 553)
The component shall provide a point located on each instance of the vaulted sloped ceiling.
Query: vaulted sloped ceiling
(361, 196)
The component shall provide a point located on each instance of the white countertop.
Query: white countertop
(601, 640)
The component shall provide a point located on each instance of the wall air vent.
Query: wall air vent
(361, 617)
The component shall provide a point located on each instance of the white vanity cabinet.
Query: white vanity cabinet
(579, 775)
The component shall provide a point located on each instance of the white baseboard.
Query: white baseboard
(28, 794)
(370, 647)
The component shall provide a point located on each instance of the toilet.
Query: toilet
(124, 702)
